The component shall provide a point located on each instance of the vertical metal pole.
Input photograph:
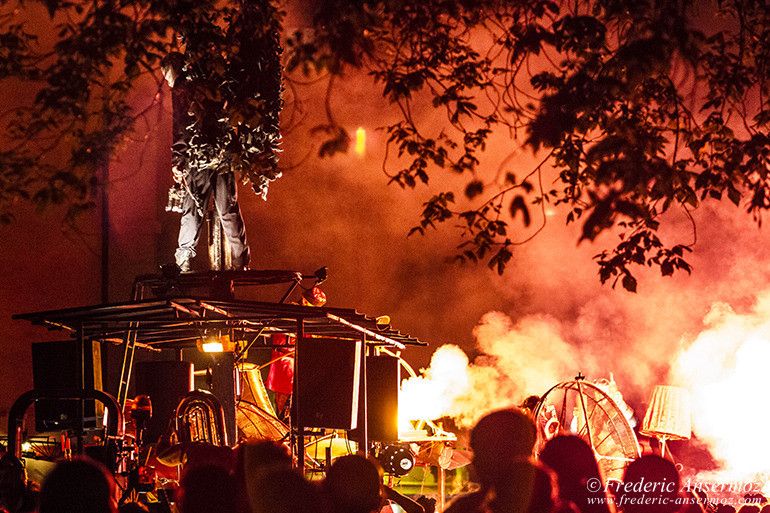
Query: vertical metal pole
(80, 350)
(441, 487)
(105, 234)
(299, 429)
(129, 340)
(364, 400)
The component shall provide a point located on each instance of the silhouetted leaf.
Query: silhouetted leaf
(473, 189)
(518, 204)
(500, 259)
(629, 283)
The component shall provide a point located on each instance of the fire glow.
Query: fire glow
(517, 360)
(432, 395)
(725, 368)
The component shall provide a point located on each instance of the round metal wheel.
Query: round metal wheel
(581, 408)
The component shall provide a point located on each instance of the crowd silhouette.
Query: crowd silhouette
(259, 478)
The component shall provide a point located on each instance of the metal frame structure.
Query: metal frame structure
(603, 412)
(23, 402)
(180, 312)
(178, 320)
(178, 323)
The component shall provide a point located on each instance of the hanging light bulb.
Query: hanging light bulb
(215, 344)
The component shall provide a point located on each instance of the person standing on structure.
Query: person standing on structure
(226, 98)
(200, 179)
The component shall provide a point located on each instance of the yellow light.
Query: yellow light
(360, 141)
(26, 447)
(212, 347)
(214, 344)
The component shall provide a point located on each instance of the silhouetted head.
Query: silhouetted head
(651, 485)
(528, 488)
(198, 454)
(78, 486)
(255, 459)
(207, 488)
(288, 492)
(569, 455)
(500, 439)
(256, 462)
(353, 485)
(573, 461)
(13, 481)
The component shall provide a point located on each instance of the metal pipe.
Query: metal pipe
(16, 414)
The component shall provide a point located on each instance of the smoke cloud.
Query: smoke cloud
(516, 360)
(724, 368)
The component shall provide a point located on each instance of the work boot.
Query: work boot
(241, 262)
(183, 259)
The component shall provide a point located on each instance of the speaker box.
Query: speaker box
(55, 371)
(327, 380)
(166, 382)
(382, 383)
(223, 387)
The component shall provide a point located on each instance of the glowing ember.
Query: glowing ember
(725, 369)
(360, 141)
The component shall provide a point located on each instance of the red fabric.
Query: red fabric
(281, 376)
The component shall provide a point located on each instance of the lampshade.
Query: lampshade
(668, 415)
